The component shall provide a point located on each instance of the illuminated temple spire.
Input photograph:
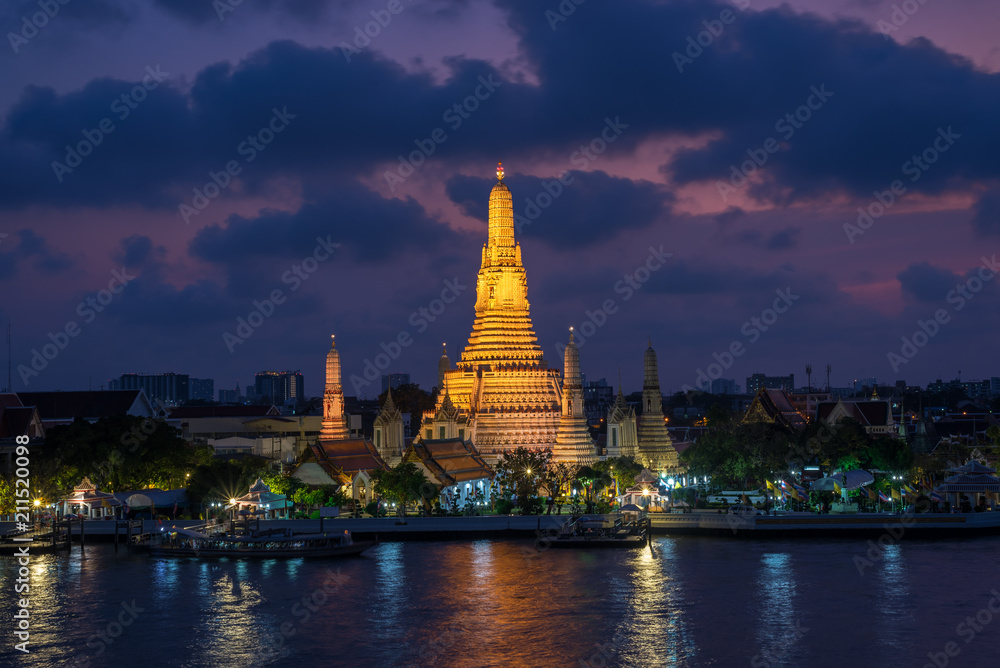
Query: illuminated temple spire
(656, 449)
(501, 390)
(502, 331)
(334, 426)
(573, 442)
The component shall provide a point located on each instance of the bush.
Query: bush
(602, 508)
(532, 506)
(372, 509)
(504, 506)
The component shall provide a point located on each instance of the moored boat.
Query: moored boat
(270, 545)
(595, 532)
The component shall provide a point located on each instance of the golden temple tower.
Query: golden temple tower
(656, 449)
(334, 427)
(501, 385)
(573, 442)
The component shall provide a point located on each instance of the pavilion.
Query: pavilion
(971, 478)
(260, 499)
(90, 501)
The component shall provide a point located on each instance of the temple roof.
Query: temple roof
(775, 406)
(187, 412)
(344, 458)
(449, 460)
(88, 404)
(868, 413)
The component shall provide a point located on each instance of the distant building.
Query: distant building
(229, 396)
(759, 381)
(725, 386)
(974, 389)
(280, 388)
(169, 388)
(201, 389)
(598, 397)
(394, 380)
(863, 384)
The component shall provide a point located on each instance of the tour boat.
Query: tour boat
(282, 544)
(593, 532)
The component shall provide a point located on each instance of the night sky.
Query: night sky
(648, 130)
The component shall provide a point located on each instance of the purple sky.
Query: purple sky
(682, 124)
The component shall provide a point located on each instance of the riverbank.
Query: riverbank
(788, 525)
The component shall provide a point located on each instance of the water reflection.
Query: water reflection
(653, 630)
(894, 604)
(778, 632)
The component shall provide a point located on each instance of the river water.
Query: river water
(691, 601)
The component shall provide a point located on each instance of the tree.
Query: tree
(521, 472)
(622, 469)
(403, 483)
(742, 454)
(7, 498)
(117, 453)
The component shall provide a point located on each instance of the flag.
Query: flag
(934, 496)
(795, 494)
(926, 484)
(872, 495)
(896, 496)
(883, 498)
(836, 487)
(802, 490)
(771, 488)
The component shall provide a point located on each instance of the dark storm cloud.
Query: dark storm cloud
(138, 250)
(784, 239)
(203, 11)
(888, 100)
(27, 244)
(926, 283)
(369, 227)
(92, 13)
(986, 218)
(581, 209)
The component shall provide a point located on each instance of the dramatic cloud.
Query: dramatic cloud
(926, 283)
(27, 244)
(986, 214)
(572, 210)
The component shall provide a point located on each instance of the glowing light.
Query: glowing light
(232, 502)
(37, 503)
(500, 171)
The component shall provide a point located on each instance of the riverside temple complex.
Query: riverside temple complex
(501, 394)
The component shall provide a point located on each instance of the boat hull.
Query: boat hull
(577, 542)
(251, 552)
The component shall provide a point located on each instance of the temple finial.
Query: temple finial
(571, 335)
(499, 171)
(333, 344)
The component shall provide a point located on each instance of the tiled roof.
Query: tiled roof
(84, 404)
(343, 458)
(450, 460)
(182, 412)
